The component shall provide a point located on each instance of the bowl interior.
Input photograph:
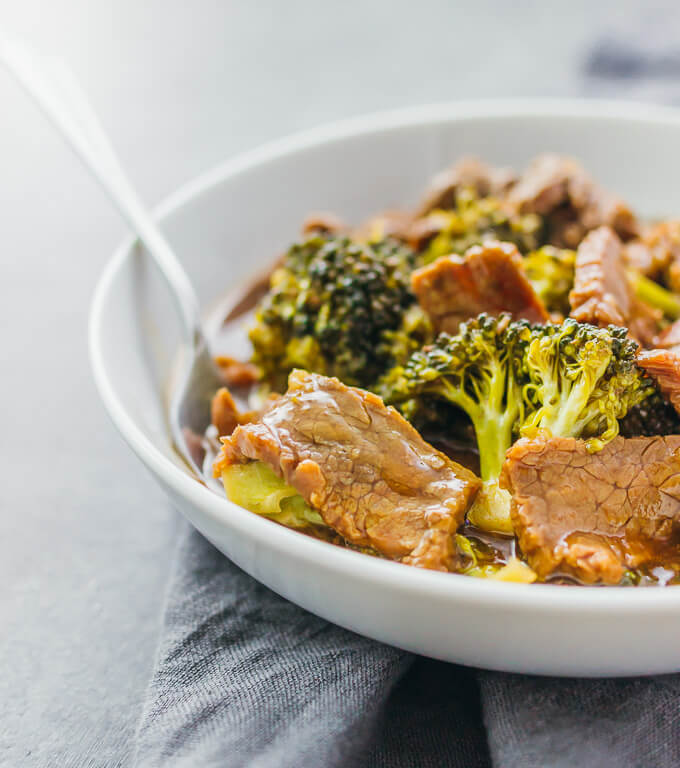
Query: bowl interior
(239, 217)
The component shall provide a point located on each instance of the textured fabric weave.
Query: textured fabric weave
(545, 722)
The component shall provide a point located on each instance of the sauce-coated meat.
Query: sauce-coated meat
(559, 189)
(236, 373)
(225, 415)
(470, 173)
(656, 253)
(663, 365)
(366, 470)
(391, 223)
(488, 278)
(602, 294)
(593, 515)
(324, 222)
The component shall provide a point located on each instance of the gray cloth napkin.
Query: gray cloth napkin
(247, 679)
(244, 678)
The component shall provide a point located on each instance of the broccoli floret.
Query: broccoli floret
(480, 370)
(513, 378)
(475, 220)
(582, 381)
(551, 273)
(414, 332)
(331, 308)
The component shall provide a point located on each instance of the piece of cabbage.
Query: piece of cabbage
(256, 487)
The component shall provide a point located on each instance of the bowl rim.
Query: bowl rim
(305, 549)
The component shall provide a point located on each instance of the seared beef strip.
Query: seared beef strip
(489, 278)
(656, 253)
(236, 373)
(558, 188)
(469, 172)
(602, 294)
(225, 415)
(592, 515)
(641, 257)
(663, 365)
(365, 469)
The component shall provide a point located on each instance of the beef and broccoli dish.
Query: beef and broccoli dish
(488, 384)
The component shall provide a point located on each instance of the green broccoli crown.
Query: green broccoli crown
(551, 273)
(582, 380)
(479, 370)
(514, 378)
(329, 307)
(476, 219)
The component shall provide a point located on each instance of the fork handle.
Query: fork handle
(56, 91)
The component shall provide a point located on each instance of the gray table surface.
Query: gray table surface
(86, 538)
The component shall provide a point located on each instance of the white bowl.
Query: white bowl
(236, 218)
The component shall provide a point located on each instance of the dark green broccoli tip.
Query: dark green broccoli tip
(337, 307)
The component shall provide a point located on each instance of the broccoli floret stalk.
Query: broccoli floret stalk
(551, 273)
(478, 370)
(512, 379)
(655, 295)
(330, 308)
(474, 370)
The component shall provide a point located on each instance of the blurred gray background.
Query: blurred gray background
(86, 539)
